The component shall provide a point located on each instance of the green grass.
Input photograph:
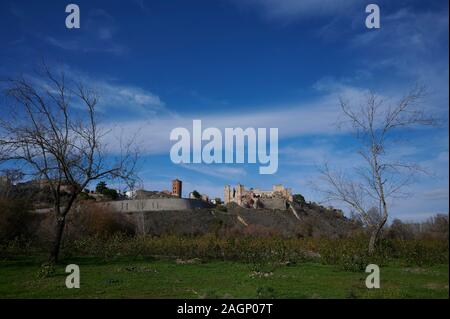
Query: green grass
(150, 278)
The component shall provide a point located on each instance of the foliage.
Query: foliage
(221, 208)
(46, 270)
(196, 194)
(15, 219)
(102, 188)
(111, 193)
(265, 254)
(299, 198)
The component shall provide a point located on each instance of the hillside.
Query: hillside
(313, 220)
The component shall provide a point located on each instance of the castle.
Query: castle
(277, 198)
(145, 201)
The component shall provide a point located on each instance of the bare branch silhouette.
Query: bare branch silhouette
(380, 178)
(60, 144)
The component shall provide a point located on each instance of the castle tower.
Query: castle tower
(227, 194)
(240, 190)
(177, 188)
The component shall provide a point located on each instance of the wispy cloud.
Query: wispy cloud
(97, 34)
(410, 45)
(117, 99)
(223, 172)
(285, 9)
(130, 99)
(85, 45)
(437, 194)
(290, 120)
(319, 117)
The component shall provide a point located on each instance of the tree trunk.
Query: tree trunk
(372, 242)
(60, 223)
(375, 235)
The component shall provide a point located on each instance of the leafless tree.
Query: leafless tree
(8, 178)
(51, 129)
(368, 189)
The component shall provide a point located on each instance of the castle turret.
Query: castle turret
(177, 188)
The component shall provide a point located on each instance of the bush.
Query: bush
(421, 252)
(95, 220)
(221, 208)
(15, 220)
(349, 254)
(95, 231)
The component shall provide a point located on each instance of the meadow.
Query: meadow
(165, 278)
(214, 267)
(221, 259)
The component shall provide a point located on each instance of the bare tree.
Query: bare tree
(8, 178)
(369, 188)
(51, 129)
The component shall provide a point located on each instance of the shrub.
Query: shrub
(15, 220)
(46, 270)
(349, 254)
(421, 252)
(221, 208)
(94, 220)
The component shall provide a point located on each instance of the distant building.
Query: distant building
(166, 191)
(202, 197)
(254, 197)
(43, 184)
(144, 194)
(177, 188)
(130, 194)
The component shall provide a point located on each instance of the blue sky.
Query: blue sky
(250, 63)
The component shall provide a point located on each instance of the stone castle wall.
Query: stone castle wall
(154, 204)
(274, 203)
(277, 198)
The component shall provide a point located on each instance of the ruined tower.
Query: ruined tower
(227, 194)
(240, 192)
(176, 188)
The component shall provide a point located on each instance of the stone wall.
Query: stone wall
(154, 204)
(273, 203)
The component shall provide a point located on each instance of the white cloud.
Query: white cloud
(115, 97)
(290, 121)
(437, 194)
(127, 98)
(224, 172)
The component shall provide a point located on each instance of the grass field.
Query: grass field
(151, 278)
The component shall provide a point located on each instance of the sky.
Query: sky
(158, 65)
